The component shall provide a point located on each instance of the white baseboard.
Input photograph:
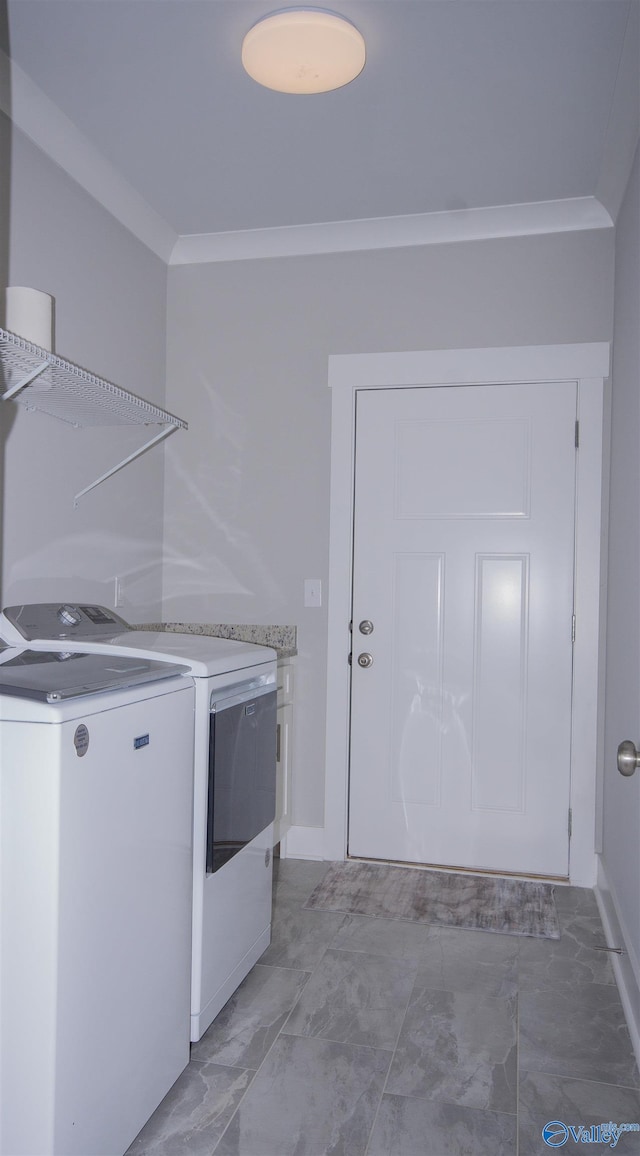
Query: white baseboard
(626, 967)
(303, 843)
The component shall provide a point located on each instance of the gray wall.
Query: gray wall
(247, 492)
(111, 309)
(621, 835)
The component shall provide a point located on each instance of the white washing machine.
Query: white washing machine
(95, 897)
(234, 781)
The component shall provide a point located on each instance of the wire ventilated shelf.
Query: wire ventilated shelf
(40, 380)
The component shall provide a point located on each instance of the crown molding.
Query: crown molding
(440, 228)
(46, 125)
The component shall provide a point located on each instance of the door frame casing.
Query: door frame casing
(587, 365)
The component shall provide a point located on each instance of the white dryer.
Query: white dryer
(234, 780)
(95, 897)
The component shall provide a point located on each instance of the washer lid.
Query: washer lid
(52, 676)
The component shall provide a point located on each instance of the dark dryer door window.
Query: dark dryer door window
(242, 772)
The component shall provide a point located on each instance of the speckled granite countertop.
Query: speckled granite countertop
(282, 639)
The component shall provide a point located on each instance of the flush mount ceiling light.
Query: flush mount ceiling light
(303, 50)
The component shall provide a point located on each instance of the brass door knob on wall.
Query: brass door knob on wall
(628, 758)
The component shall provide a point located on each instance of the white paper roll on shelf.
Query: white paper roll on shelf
(30, 314)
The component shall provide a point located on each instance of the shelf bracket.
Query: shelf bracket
(31, 376)
(131, 458)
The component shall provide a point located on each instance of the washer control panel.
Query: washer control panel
(50, 620)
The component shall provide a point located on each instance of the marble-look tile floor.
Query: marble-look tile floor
(363, 1036)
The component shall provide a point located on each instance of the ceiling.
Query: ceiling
(461, 104)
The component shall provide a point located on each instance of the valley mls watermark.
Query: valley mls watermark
(555, 1133)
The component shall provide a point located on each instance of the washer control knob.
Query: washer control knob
(365, 660)
(68, 615)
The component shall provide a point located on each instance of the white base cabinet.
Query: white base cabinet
(284, 747)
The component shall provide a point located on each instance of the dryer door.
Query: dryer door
(242, 771)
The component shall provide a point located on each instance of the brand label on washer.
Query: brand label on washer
(81, 740)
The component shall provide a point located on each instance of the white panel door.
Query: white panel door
(464, 564)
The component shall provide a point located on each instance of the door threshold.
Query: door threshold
(496, 874)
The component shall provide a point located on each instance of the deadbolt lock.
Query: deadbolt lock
(365, 660)
(366, 627)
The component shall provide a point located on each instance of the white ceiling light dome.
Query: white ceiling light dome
(303, 50)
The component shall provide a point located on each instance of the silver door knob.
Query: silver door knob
(628, 758)
(365, 660)
(366, 627)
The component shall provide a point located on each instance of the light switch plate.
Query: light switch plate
(313, 592)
